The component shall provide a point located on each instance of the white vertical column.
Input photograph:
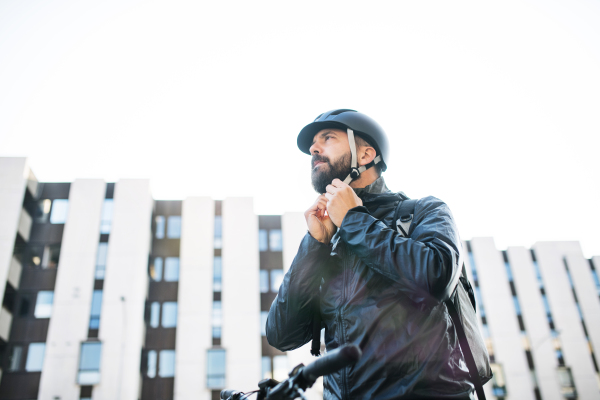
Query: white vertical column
(73, 291)
(13, 180)
(125, 285)
(565, 315)
(241, 294)
(293, 227)
(585, 287)
(194, 298)
(487, 389)
(502, 318)
(536, 322)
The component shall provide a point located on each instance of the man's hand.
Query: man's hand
(319, 224)
(341, 198)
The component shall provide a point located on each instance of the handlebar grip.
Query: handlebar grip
(225, 394)
(332, 362)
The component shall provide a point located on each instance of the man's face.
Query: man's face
(331, 158)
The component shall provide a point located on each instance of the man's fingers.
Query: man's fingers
(331, 189)
(338, 183)
(329, 196)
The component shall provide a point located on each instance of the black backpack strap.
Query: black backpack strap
(404, 213)
(464, 344)
(315, 348)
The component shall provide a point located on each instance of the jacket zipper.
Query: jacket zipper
(344, 339)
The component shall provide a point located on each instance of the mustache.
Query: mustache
(318, 158)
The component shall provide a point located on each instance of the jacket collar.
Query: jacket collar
(376, 187)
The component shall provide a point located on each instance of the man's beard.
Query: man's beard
(322, 176)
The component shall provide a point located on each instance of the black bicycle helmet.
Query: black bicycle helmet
(351, 121)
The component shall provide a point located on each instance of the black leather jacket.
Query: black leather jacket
(381, 291)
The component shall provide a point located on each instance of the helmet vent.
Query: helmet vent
(341, 110)
(316, 119)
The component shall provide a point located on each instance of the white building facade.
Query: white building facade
(109, 294)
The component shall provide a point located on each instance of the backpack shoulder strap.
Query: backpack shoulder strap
(403, 215)
(464, 345)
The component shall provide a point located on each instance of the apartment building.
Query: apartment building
(110, 294)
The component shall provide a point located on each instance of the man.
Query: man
(367, 283)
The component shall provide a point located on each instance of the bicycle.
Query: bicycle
(301, 377)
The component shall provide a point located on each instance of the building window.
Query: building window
(107, 213)
(266, 367)
(174, 227)
(171, 269)
(42, 211)
(43, 304)
(218, 232)
(276, 279)
(498, 381)
(35, 255)
(166, 366)
(35, 357)
(160, 227)
(263, 240)
(101, 260)
(275, 242)
(270, 240)
(156, 269)
(151, 364)
(44, 256)
(89, 363)
(263, 322)
(280, 368)
(51, 256)
(217, 313)
(217, 271)
(169, 314)
(96, 309)
(215, 369)
(264, 281)
(14, 359)
(60, 209)
(567, 384)
(216, 332)
(154, 314)
(24, 306)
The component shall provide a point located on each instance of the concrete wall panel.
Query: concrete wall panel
(5, 323)
(502, 319)
(536, 322)
(14, 273)
(566, 317)
(241, 295)
(13, 180)
(73, 291)
(125, 285)
(587, 295)
(25, 222)
(194, 334)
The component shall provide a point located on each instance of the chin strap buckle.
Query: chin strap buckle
(355, 173)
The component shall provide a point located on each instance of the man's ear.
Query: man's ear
(366, 154)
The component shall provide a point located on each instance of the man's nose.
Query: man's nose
(314, 149)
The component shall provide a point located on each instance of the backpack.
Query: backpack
(461, 307)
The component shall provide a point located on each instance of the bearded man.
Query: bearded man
(366, 283)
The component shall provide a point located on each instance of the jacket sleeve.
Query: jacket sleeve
(289, 324)
(425, 263)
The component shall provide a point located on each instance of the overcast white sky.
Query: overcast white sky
(494, 107)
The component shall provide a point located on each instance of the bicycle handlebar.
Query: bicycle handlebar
(303, 377)
(331, 362)
(226, 394)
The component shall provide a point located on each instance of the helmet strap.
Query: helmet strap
(355, 170)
